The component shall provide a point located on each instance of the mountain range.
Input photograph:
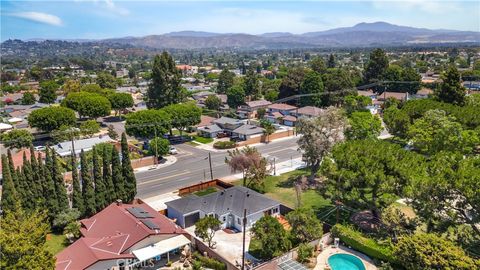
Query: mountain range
(360, 35)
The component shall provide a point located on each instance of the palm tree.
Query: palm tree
(268, 128)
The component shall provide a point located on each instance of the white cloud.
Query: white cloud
(110, 5)
(39, 17)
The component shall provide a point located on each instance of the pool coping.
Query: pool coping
(322, 258)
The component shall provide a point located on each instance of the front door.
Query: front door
(230, 221)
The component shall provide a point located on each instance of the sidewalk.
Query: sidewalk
(169, 161)
(209, 147)
(281, 168)
(158, 202)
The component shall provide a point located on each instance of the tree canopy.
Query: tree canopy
(120, 101)
(363, 125)
(183, 115)
(87, 104)
(144, 123)
(235, 96)
(376, 66)
(47, 91)
(205, 229)
(17, 138)
(225, 81)
(271, 235)
(51, 118)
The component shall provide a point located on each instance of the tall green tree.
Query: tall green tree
(145, 123)
(117, 177)
(291, 82)
(318, 65)
(77, 197)
(22, 241)
(225, 81)
(127, 171)
(368, 174)
(28, 99)
(363, 125)
(30, 193)
(59, 182)
(451, 89)
(51, 118)
(48, 91)
(49, 191)
(100, 188)
(251, 84)
(271, 235)
(88, 190)
(376, 66)
(107, 176)
(91, 105)
(331, 61)
(305, 225)
(120, 102)
(165, 88)
(9, 193)
(37, 180)
(17, 138)
(430, 252)
(312, 84)
(235, 96)
(183, 116)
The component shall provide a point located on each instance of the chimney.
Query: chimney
(118, 202)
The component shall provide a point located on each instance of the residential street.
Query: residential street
(192, 167)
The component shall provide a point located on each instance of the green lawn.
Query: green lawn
(206, 191)
(193, 143)
(202, 139)
(281, 188)
(56, 243)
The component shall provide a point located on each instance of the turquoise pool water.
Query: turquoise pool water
(345, 262)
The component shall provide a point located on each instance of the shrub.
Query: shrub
(305, 251)
(210, 262)
(366, 245)
(224, 145)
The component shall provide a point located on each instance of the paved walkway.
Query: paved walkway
(169, 161)
(322, 259)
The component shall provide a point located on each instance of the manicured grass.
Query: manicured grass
(281, 188)
(193, 143)
(206, 191)
(255, 248)
(202, 139)
(56, 243)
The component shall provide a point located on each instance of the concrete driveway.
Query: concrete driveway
(228, 245)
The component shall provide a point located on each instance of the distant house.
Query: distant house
(249, 109)
(226, 205)
(187, 69)
(423, 93)
(367, 93)
(282, 108)
(12, 108)
(246, 132)
(307, 112)
(289, 120)
(122, 236)
(65, 148)
(396, 95)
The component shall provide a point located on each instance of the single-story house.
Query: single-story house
(249, 109)
(226, 205)
(247, 131)
(274, 117)
(210, 131)
(289, 120)
(65, 148)
(423, 93)
(228, 124)
(205, 120)
(396, 95)
(122, 236)
(367, 93)
(4, 127)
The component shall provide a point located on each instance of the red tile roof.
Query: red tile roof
(309, 110)
(110, 233)
(205, 121)
(258, 103)
(290, 118)
(17, 157)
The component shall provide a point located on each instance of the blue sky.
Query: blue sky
(79, 19)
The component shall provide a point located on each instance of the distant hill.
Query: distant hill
(360, 35)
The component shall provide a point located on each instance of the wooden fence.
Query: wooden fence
(204, 185)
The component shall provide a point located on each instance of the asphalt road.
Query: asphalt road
(192, 167)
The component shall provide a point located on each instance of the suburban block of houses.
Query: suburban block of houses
(226, 205)
(123, 235)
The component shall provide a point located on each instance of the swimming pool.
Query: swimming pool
(345, 262)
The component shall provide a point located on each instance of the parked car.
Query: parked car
(39, 148)
(173, 150)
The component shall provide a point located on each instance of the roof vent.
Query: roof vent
(118, 202)
(248, 195)
(109, 244)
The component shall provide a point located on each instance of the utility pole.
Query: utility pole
(210, 162)
(156, 147)
(274, 166)
(244, 232)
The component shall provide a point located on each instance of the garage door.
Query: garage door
(191, 219)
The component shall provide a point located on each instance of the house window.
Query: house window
(224, 218)
(274, 210)
(239, 221)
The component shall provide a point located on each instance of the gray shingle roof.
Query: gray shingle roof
(211, 128)
(248, 130)
(226, 120)
(65, 148)
(232, 200)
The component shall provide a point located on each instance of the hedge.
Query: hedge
(224, 145)
(210, 262)
(358, 241)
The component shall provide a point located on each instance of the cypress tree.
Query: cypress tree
(20, 185)
(10, 197)
(49, 192)
(127, 171)
(99, 184)
(77, 198)
(59, 184)
(117, 177)
(87, 187)
(37, 180)
(110, 195)
(30, 188)
(11, 166)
